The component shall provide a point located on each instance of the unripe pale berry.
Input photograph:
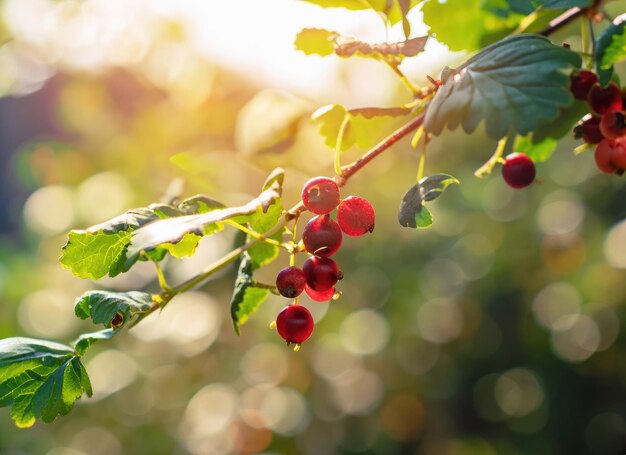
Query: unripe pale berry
(322, 236)
(294, 324)
(356, 216)
(518, 170)
(320, 195)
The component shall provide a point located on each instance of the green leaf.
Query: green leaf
(40, 379)
(394, 10)
(517, 84)
(469, 25)
(269, 122)
(412, 211)
(113, 309)
(246, 296)
(365, 126)
(185, 247)
(564, 4)
(200, 204)
(84, 342)
(173, 230)
(610, 48)
(537, 151)
(316, 41)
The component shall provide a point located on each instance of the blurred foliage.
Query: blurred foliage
(499, 330)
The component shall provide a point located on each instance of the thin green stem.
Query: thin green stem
(584, 37)
(161, 277)
(486, 168)
(254, 234)
(405, 80)
(422, 163)
(339, 142)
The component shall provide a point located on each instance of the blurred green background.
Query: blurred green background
(498, 331)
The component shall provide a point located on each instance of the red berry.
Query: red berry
(318, 296)
(613, 125)
(356, 216)
(294, 324)
(322, 236)
(290, 282)
(610, 156)
(581, 83)
(321, 273)
(605, 99)
(589, 130)
(518, 170)
(320, 195)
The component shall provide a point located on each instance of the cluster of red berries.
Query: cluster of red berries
(321, 238)
(605, 125)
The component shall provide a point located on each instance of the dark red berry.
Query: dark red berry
(581, 83)
(356, 216)
(322, 236)
(290, 282)
(605, 99)
(610, 156)
(321, 273)
(518, 170)
(320, 296)
(320, 195)
(589, 130)
(613, 125)
(294, 324)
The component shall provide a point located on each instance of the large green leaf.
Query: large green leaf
(517, 84)
(113, 309)
(246, 296)
(469, 25)
(364, 127)
(40, 379)
(610, 48)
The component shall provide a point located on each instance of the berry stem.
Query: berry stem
(339, 142)
(405, 80)
(255, 235)
(422, 162)
(486, 168)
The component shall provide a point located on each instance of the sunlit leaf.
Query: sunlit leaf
(246, 297)
(113, 309)
(316, 41)
(610, 48)
(537, 151)
(412, 211)
(394, 10)
(84, 342)
(39, 379)
(517, 84)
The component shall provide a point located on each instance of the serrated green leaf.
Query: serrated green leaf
(105, 307)
(84, 342)
(269, 122)
(173, 230)
(610, 48)
(187, 245)
(263, 253)
(316, 41)
(246, 296)
(536, 151)
(517, 84)
(365, 126)
(476, 23)
(40, 379)
(413, 213)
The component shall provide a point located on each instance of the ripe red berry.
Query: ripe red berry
(294, 324)
(290, 282)
(356, 216)
(589, 130)
(613, 125)
(581, 83)
(518, 170)
(605, 99)
(320, 296)
(320, 195)
(321, 273)
(322, 236)
(610, 156)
